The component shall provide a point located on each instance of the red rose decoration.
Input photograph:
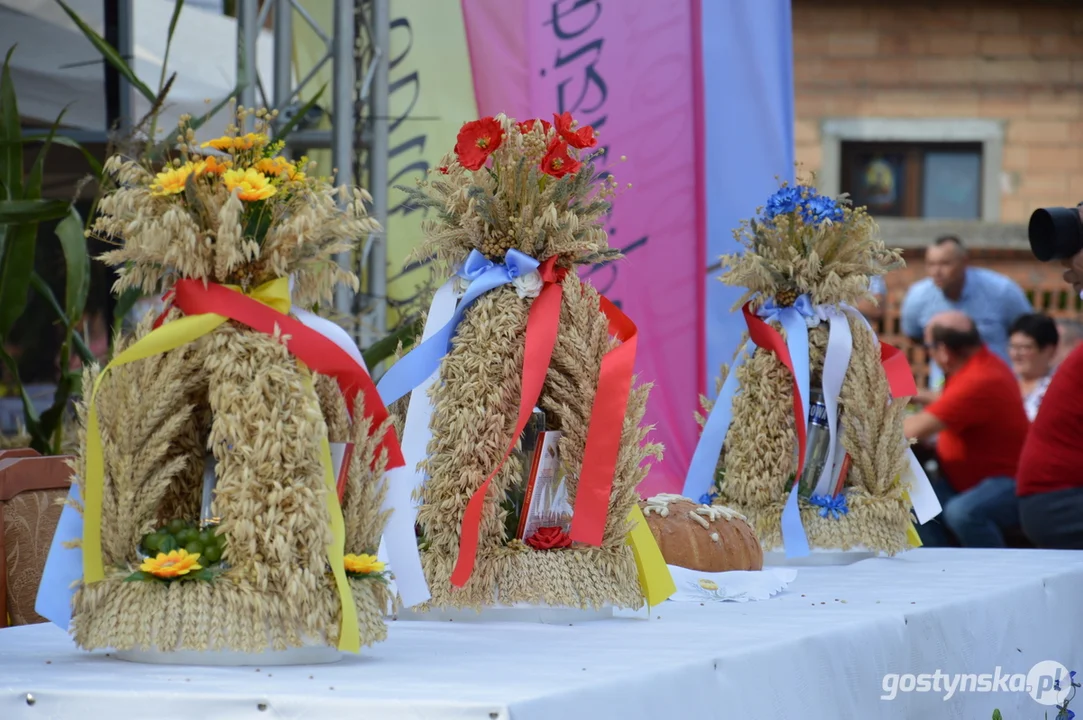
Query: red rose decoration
(476, 142)
(557, 162)
(549, 538)
(527, 126)
(579, 139)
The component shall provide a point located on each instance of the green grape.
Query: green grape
(187, 535)
(194, 548)
(212, 554)
(151, 543)
(207, 536)
(168, 543)
(176, 526)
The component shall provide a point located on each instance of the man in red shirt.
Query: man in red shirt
(980, 425)
(1051, 466)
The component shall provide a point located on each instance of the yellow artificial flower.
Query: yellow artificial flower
(172, 564)
(280, 167)
(363, 564)
(252, 184)
(241, 142)
(171, 181)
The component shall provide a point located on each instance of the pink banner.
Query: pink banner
(628, 69)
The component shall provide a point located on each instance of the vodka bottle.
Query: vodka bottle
(816, 443)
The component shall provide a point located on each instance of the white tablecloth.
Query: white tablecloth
(819, 650)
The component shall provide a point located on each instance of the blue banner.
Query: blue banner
(748, 129)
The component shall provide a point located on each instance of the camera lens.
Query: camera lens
(1055, 233)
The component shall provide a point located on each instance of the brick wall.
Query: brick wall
(1020, 62)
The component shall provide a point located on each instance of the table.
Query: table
(819, 650)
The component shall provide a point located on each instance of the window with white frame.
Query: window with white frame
(915, 168)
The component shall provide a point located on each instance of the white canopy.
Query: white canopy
(54, 65)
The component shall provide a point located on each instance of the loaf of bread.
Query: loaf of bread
(707, 538)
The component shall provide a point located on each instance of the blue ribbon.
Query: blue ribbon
(421, 362)
(701, 470)
(833, 507)
(699, 481)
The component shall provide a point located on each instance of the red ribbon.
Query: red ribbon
(900, 378)
(541, 337)
(766, 337)
(897, 368)
(319, 353)
(605, 429)
(168, 300)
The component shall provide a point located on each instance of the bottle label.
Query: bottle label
(818, 414)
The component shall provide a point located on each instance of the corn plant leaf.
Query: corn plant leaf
(385, 347)
(35, 210)
(37, 170)
(77, 265)
(109, 53)
(30, 413)
(52, 419)
(42, 288)
(177, 7)
(95, 165)
(11, 133)
(20, 243)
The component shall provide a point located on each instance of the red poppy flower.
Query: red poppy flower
(549, 538)
(557, 162)
(476, 142)
(527, 126)
(443, 169)
(580, 138)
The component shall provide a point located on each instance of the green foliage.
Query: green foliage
(387, 346)
(21, 211)
(110, 54)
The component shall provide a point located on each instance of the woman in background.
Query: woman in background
(1032, 347)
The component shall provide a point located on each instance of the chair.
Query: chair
(31, 487)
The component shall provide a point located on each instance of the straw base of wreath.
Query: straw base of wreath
(872, 525)
(223, 616)
(584, 578)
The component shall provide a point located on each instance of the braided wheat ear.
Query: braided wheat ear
(240, 393)
(760, 460)
(475, 406)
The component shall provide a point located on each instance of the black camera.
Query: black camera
(1055, 233)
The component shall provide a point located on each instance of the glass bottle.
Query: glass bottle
(817, 443)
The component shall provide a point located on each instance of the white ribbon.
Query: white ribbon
(836, 363)
(417, 430)
(922, 496)
(398, 546)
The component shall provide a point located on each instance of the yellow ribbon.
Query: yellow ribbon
(654, 578)
(170, 336)
(912, 536)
